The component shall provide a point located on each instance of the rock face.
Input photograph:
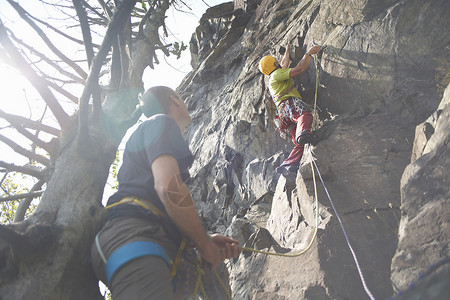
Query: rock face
(424, 231)
(379, 72)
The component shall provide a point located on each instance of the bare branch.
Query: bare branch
(106, 9)
(25, 203)
(24, 15)
(62, 81)
(117, 22)
(63, 92)
(46, 59)
(61, 32)
(87, 38)
(35, 80)
(143, 21)
(29, 123)
(22, 196)
(116, 66)
(121, 57)
(20, 150)
(82, 17)
(94, 10)
(150, 42)
(38, 142)
(205, 3)
(28, 170)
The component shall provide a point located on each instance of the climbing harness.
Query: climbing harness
(314, 166)
(131, 251)
(143, 203)
(284, 127)
(285, 110)
(187, 259)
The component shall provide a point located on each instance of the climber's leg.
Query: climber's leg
(303, 131)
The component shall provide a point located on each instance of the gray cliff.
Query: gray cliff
(383, 126)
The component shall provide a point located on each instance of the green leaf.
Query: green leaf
(178, 49)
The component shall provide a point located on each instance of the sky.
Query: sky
(19, 98)
(169, 72)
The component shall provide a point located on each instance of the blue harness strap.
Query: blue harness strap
(131, 251)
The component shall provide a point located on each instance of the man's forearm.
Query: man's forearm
(301, 66)
(286, 58)
(184, 214)
(304, 62)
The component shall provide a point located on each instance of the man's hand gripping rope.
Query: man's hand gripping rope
(213, 248)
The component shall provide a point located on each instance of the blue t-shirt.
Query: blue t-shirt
(159, 135)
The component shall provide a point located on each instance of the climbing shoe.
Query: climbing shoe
(306, 137)
(287, 170)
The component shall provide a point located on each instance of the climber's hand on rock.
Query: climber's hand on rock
(228, 247)
(313, 50)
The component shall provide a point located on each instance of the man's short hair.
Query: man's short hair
(156, 100)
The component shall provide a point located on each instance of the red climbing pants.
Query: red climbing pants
(292, 113)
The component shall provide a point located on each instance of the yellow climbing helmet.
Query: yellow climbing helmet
(267, 64)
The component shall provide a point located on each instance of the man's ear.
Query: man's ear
(174, 100)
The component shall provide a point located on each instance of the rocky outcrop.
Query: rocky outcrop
(424, 232)
(378, 79)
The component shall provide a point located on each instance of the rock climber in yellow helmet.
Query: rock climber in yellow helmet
(294, 116)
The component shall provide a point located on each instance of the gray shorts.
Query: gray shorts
(146, 277)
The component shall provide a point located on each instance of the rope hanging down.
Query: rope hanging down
(368, 292)
(315, 228)
(314, 165)
(314, 181)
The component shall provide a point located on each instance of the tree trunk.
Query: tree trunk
(52, 261)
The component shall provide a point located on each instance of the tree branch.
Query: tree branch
(63, 92)
(116, 66)
(150, 41)
(24, 15)
(25, 203)
(96, 12)
(28, 170)
(38, 82)
(125, 46)
(61, 32)
(29, 123)
(46, 59)
(106, 9)
(87, 38)
(20, 150)
(117, 22)
(38, 142)
(21, 196)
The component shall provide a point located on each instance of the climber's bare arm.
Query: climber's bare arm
(304, 62)
(177, 200)
(286, 60)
